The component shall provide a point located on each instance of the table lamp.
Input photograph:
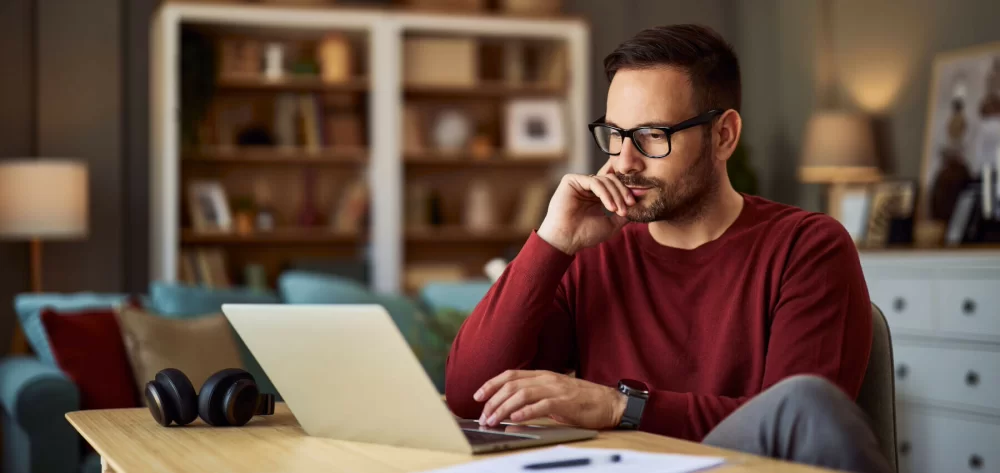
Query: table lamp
(41, 199)
(839, 150)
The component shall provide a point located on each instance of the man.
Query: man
(683, 307)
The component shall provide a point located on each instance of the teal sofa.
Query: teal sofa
(35, 395)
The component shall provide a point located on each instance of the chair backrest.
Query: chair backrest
(878, 391)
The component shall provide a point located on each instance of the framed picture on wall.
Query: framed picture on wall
(963, 126)
(535, 127)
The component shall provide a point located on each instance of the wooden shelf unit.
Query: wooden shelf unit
(277, 156)
(380, 89)
(277, 236)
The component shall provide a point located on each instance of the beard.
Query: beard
(680, 202)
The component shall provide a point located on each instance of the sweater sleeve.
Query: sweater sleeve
(523, 322)
(820, 325)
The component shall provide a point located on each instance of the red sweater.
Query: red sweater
(780, 293)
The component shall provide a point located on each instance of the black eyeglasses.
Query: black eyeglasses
(651, 141)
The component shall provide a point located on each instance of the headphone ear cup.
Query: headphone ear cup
(211, 399)
(172, 394)
(240, 402)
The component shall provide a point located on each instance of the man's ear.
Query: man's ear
(727, 134)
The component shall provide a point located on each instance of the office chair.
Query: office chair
(878, 390)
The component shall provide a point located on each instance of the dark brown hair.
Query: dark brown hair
(707, 58)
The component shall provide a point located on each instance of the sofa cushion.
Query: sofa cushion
(29, 309)
(460, 296)
(197, 347)
(88, 347)
(179, 300)
(306, 287)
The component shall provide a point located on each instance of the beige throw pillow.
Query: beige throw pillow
(198, 347)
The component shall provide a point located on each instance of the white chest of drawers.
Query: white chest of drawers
(943, 308)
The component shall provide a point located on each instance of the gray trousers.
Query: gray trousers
(803, 419)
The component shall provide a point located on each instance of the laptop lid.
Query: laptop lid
(347, 373)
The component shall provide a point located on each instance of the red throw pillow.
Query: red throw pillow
(88, 347)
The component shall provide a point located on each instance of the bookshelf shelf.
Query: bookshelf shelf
(278, 236)
(498, 160)
(279, 156)
(291, 84)
(485, 89)
(458, 234)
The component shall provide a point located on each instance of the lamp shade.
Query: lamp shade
(839, 147)
(43, 198)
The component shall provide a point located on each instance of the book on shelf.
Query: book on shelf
(204, 267)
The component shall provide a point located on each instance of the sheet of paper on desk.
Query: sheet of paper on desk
(631, 461)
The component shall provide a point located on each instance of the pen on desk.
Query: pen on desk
(573, 462)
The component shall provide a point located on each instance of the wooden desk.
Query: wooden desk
(129, 441)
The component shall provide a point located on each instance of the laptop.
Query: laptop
(347, 373)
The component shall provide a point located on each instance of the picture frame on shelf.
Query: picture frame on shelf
(962, 126)
(890, 213)
(849, 205)
(209, 207)
(535, 127)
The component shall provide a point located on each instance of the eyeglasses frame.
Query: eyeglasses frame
(668, 130)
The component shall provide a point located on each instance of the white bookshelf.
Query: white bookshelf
(385, 30)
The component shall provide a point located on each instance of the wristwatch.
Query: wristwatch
(638, 394)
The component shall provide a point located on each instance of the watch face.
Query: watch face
(634, 385)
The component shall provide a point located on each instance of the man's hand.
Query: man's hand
(525, 395)
(576, 218)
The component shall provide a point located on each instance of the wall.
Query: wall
(16, 138)
(882, 52)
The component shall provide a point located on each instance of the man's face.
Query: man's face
(676, 187)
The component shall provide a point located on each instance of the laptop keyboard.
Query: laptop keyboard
(479, 437)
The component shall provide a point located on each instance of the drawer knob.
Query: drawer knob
(972, 378)
(899, 304)
(904, 448)
(969, 307)
(975, 462)
(902, 370)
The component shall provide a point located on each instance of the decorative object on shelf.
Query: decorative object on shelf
(950, 180)
(963, 125)
(440, 62)
(480, 208)
(209, 207)
(309, 214)
(850, 206)
(839, 150)
(204, 267)
(274, 61)
(351, 213)
(452, 131)
(535, 127)
(285, 114)
(334, 53)
(266, 219)
(42, 199)
(962, 216)
(890, 215)
(243, 210)
(418, 206)
(309, 123)
(531, 206)
(481, 148)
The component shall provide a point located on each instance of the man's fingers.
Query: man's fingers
(599, 189)
(538, 410)
(629, 198)
(489, 388)
(522, 397)
(620, 205)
